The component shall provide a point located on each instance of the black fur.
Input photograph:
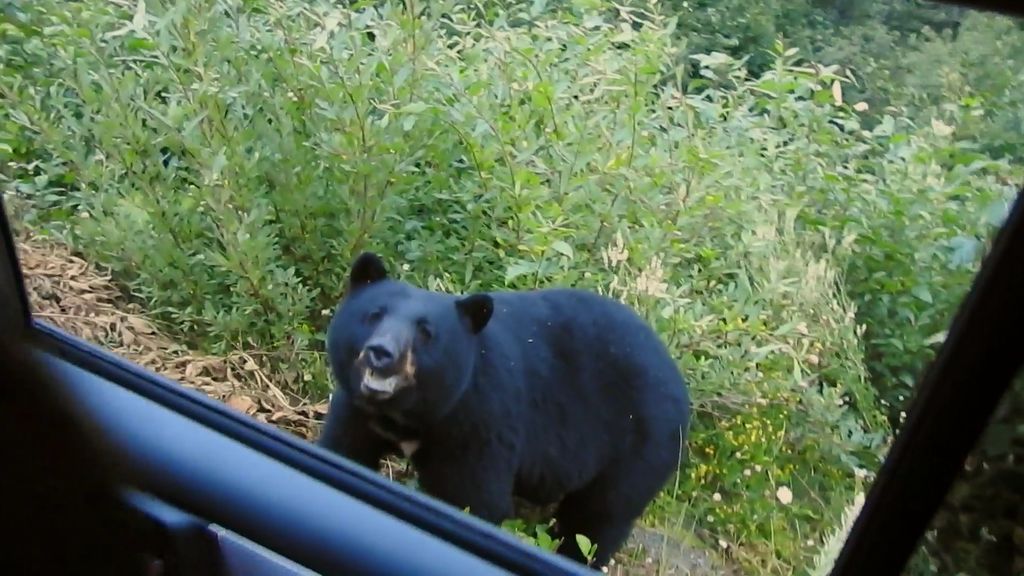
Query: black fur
(556, 395)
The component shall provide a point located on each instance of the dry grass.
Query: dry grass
(75, 296)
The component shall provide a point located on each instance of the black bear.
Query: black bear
(554, 396)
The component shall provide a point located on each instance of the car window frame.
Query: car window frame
(924, 461)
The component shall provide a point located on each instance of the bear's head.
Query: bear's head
(400, 350)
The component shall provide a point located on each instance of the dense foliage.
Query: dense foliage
(788, 192)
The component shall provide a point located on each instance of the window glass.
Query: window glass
(794, 195)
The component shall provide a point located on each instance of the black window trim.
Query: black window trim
(235, 484)
(1011, 8)
(15, 311)
(348, 478)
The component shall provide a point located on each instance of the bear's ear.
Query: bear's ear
(477, 309)
(367, 269)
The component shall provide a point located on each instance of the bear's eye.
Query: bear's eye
(375, 316)
(423, 331)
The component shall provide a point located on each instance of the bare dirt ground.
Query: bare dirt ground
(77, 297)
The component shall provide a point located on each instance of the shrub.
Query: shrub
(947, 75)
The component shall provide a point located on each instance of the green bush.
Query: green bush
(918, 205)
(944, 75)
(227, 159)
(708, 26)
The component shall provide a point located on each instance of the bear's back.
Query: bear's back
(588, 372)
(580, 355)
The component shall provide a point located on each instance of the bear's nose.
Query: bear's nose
(380, 356)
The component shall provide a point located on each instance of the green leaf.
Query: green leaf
(585, 545)
(965, 250)
(996, 212)
(922, 293)
(414, 108)
(139, 19)
(518, 269)
(562, 248)
(219, 162)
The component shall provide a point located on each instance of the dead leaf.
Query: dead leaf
(837, 93)
(243, 404)
(139, 325)
(75, 296)
(940, 128)
(860, 106)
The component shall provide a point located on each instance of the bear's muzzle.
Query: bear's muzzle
(386, 369)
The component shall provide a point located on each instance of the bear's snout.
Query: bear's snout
(381, 355)
(386, 368)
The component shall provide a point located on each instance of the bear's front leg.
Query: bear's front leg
(347, 432)
(482, 482)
